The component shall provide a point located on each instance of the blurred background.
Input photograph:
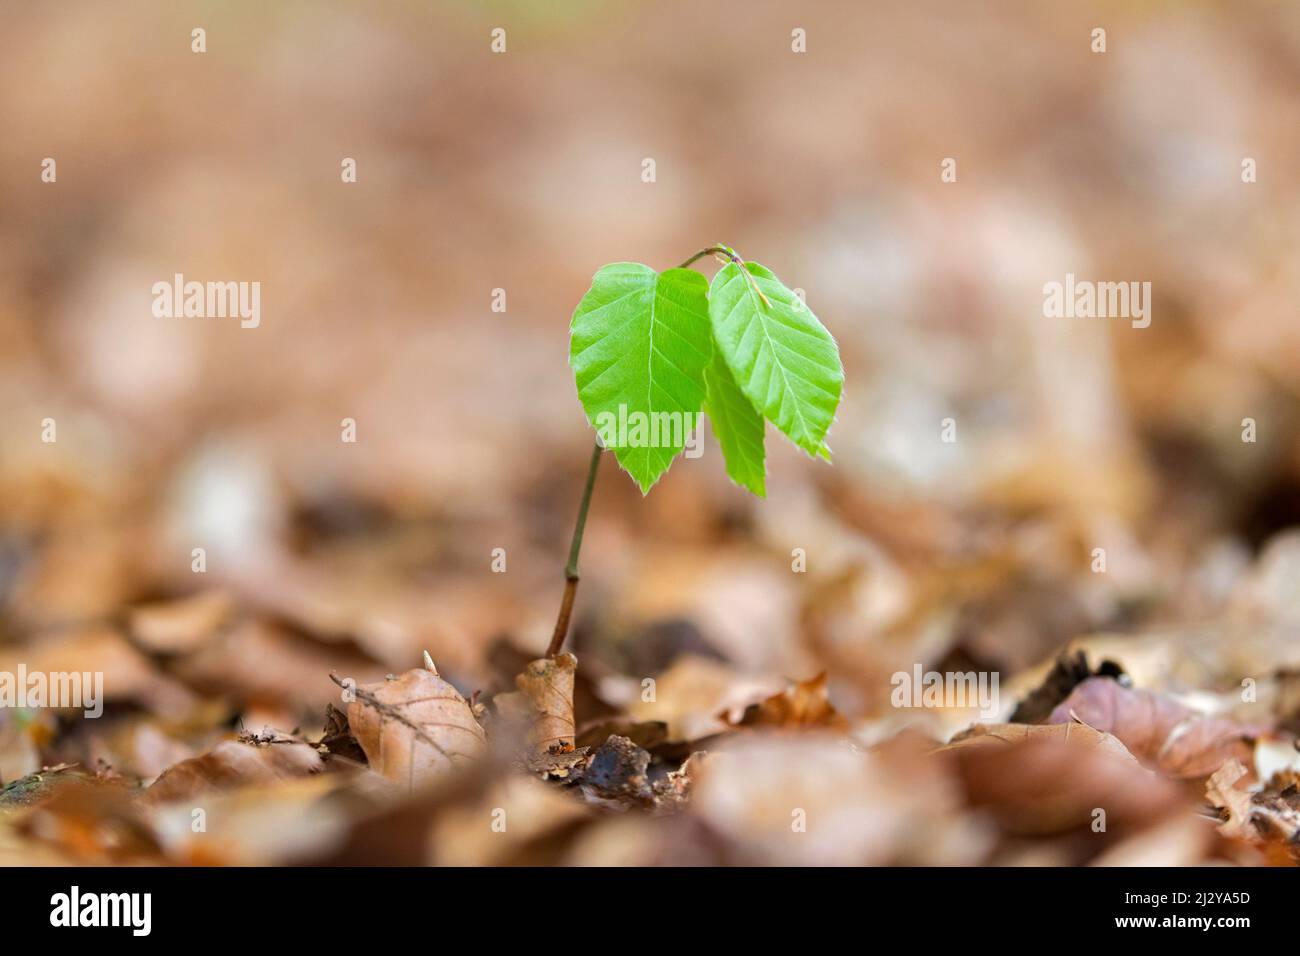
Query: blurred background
(521, 171)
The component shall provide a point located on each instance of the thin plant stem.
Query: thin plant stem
(725, 254)
(571, 569)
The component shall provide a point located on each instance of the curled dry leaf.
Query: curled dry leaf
(544, 705)
(234, 764)
(1233, 803)
(414, 728)
(548, 685)
(802, 704)
(1157, 729)
(674, 791)
(1270, 814)
(1040, 779)
(337, 737)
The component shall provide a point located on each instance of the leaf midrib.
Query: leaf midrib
(749, 291)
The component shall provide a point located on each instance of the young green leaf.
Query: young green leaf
(639, 341)
(782, 358)
(736, 425)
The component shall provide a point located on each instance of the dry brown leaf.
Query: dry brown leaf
(691, 694)
(1269, 815)
(1039, 779)
(626, 840)
(254, 826)
(993, 734)
(1183, 840)
(41, 785)
(93, 819)
(540, 716)
(337, 737)
(173, 627)
(1156, 729)
(17, 848)
(802, 704)
(508, 823)
(814, 799)
(415, 728)
(128, 674)
(1234, 804)
(547, 688)
(1277, 811)
(268, 664)
(235, 763)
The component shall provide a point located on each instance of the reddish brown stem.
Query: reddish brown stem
(571, 569)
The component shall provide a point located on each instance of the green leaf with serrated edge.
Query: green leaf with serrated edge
(737, 426)
(782, 358)
(638, 344)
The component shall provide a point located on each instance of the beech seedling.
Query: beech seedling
(651, 351)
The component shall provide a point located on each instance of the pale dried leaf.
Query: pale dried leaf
(814, 799)
(502, 824)
(173, 627)
(547, 685)
(415, 728)
(1234, 804)
(254, 826)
